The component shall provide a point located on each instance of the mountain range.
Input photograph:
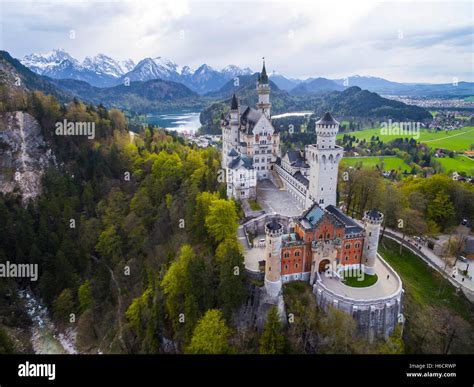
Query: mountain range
(345, 103)
(104, 71)
(314, 86)
(158, 94)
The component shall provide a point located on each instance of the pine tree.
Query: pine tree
(272, 341)
(211, 335)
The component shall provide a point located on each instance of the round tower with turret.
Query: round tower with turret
(372, 221)
(273, 233)
(323, 159)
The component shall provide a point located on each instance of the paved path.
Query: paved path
(437, 263)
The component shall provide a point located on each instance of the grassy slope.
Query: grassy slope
(389, 162)
(422, 283)
(422, 298)
(458, 164)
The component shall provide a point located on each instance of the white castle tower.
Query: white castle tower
(273, 232)
(230, 135)
(372, 221)
(323, 159)
(263, 90)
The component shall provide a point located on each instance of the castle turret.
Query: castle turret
(263, 90)
(273, 232)
(234, 120)
(323, 159)
(372, 221)
(230, 133)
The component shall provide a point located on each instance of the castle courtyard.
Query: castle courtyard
(275, 200)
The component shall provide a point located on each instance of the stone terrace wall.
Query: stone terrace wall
(375, 317)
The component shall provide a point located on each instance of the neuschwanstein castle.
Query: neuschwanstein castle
(323, 239)
(251, 152)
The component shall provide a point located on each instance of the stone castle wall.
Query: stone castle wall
(375, 317)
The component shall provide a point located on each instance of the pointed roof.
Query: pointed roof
(234, 105)
(263, 77)
(327, 120)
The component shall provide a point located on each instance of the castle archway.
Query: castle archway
(323, 265)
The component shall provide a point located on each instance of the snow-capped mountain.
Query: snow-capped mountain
(103, 64)
(233, 71)
(103, 71)
(44, 63)
(100, 70)
(187, 72)
(153, 68)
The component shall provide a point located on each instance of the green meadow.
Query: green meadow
(457, 164)
(390, 162)
(458, 140)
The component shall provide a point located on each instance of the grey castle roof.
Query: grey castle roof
(303, 180)
(234, 105)
(263, 77)
(250, 116)
(327, 120)
(241, 161)
(297, 159)
(350, 226)
(315, 213)
(233, 153)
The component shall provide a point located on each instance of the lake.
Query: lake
(180, 121)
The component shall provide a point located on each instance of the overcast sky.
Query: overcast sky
(399, 40)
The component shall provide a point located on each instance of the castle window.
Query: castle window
(296, 266)
(297, 253)
(286, 267)
(287, 255)
(348, 246)
(328, 236)
(370, 233)
(347, 258)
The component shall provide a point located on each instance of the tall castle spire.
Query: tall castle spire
(263, 90)
(263, 77)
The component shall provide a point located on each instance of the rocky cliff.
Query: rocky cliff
(24, 155)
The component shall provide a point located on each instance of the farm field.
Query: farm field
(458, 140)
(458, 164)
(390, 162)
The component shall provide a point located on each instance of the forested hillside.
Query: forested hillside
(128, 236)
